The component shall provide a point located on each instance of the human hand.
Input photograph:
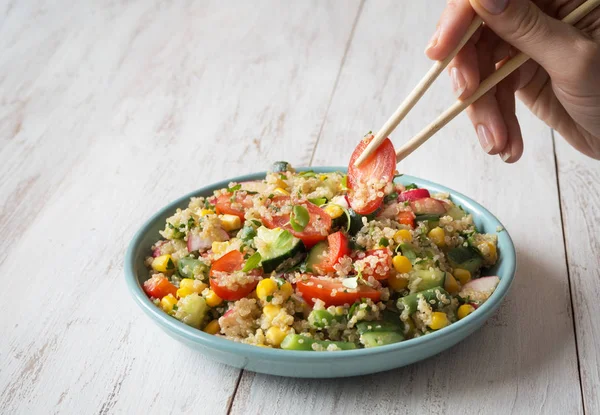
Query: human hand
(560, 84)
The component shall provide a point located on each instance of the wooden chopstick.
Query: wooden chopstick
(416, 94)
(508, 68)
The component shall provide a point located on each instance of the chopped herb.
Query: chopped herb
(271, 196)
(307, 173)
(283, 176)
(299, 218)
(252, 262)
(251, 193)
(318, 201)
(390, 198)
(256, 222)
(397, 175)
(411, 186)
(384, 242)
(269, 298)
(175, 307)
(170, 264)
(191, 223)
(280, 281)
(234, 188)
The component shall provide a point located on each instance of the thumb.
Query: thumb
(521, 23)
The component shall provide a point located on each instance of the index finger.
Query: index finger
(451, 27)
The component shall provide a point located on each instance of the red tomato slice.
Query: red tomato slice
(383, 267)
(317, 229)
(237, 207)
(158, 287)
(407, 218)
(338, 247)
(323, 289)
(230, 262)
(378, 167)
(413, 194)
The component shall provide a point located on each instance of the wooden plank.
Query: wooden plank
(108, 112)
(524, 359)
(579, 180)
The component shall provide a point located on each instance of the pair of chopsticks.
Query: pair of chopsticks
(448, 115)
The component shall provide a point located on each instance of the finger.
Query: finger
(464, 71)
(485, 113)
(548, 41)
(505, 96)
(451, 27)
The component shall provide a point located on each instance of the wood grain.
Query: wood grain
(524, 359)
(579, 179)
(108, 111)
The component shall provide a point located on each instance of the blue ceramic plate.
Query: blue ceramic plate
(318, 364)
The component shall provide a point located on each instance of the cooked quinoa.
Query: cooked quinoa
(287, 262)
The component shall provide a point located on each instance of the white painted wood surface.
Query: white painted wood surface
(110, 109)
(580, 195)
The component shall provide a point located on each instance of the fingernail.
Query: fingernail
(494, 6)
(458, 82)
(434, 40)
(485, 138)
(504, 156)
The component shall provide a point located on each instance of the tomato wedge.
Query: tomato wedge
(158, 287)
(376, 263)
(407, 218)
(229, 263)
(332, 292)
(338, 247)
(237, 206)
(379, 167)
(317, 229)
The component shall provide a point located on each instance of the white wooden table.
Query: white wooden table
(110, 109)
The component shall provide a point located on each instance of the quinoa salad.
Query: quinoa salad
(322, 261)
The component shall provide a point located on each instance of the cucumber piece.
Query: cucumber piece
(410, 301)
(247, 233)
(380, 338)
(428, 279)
(456, 212)
(278, 248)
(466, 258)
(408, 251)
(316, 255)
(377, 326)
(299, 342)
(189, 267)
(321, 319)
(355, 222)
(280, 167)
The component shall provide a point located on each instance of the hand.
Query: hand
(560, 84)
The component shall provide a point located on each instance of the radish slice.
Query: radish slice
(413, 194)
(198, 242)
(157, 252)
(341, 201)
(428, 206)
(479, 289)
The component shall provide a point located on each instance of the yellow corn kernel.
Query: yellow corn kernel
(439, 320)
(205, 212)
(403, 235)
(281, 191)
(275, 336)
(167, 303)
(230, 222)
(493, 253)
(189, 286)
(334, 211)
(464, 310)
(271, 310)
(281, 183)
(401, 264)
(323, 177)
(438, 236)
(450, 284)
(212, 299)
(212, 327)
(286, 290)
(163, 263)
(397, 283)
(463, 275)
(219, 247)
(266, 288)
